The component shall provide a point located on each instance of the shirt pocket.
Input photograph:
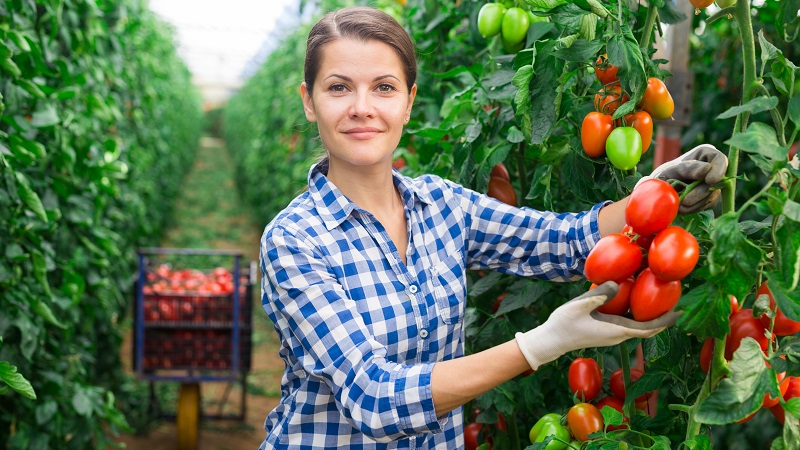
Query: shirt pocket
(449, 289)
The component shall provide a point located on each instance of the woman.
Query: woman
(364, 274)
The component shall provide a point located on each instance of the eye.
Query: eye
(385, 88)
(337, 87)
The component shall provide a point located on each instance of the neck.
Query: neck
(370, 187)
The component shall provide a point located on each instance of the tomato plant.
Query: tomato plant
(585, 378)
(615, 257)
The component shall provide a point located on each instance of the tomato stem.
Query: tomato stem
(647, 31)
(689, 189)
(629, 407)
(719, 14)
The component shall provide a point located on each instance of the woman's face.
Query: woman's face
(360, 102)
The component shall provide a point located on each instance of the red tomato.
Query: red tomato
(792, 390)
(496, 303)
(471, 433)
(673, 253)
(166, 310)
(651, 297)
(584, 419)
(612, 402)
(501, 423)
(500, 170)
(782, 387)
(734, 305)
(701, 3)
(617, 384)
(502, 190)
(652, 207)
(618, 305)
(615, 257)
(594, 131)
(784, 326)
(656, 99)
(643, 123)
(608, 99)
(743, 325)
(606, 72)
(585, 378)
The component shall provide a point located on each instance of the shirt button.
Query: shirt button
(413, 289)
(423, 334)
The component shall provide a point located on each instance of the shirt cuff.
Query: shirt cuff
(413, 400)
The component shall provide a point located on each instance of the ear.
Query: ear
(308, 104)
(411, 96)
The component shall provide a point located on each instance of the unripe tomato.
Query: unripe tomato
(511, 47)
(585, 378)
(673, 254)
(514, 27)
(549, 425)
(743, 325)
(502, 190)
(784, 326)
(656, 100)
(604, 71)
(618, 305)
(725, 3)
(624, 147)
(490, 19)
(594, 132)
(584, 419)
(614, 257)
(651, 297)
(652, 206)
(643, 123)
(609, 99)
(615, 403)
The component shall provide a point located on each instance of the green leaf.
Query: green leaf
(768, 51)
(733, 258)
(791, 210)
(30, 87)
(611, 416)
(793, 109)
(623, 52)
(580, 50)
(699, 442)
(15, 380)
(741, 394)
(485, 284)
(82, 403)
(19, 40)
(792, 406)
(788, 237)
(544, 88)
(787, 25)
(29, 197)
(45, 411)
(515, 136)
(40, 271)
(754, 106)
(759, 139)
(42, 310)
(788, 300)
(544, 5)
(522, 294)
(706, 311)
(648, 382)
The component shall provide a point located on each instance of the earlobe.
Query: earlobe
(411, 96)
(308, 104)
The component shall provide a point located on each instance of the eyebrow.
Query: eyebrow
(345, 78)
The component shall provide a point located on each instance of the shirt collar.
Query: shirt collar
(334, 207)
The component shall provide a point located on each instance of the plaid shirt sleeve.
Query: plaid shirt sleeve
(524, 241)
(384, 400)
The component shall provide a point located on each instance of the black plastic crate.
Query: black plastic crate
(186, 325)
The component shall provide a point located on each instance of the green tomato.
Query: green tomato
(511, 48)
(490, 19)
(725, 3)
(624, 147)
(574, 445)
(515, 25)
(550, 425)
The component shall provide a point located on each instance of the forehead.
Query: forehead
(352, 57)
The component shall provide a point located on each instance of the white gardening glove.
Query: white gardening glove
(703, 162)
(576, 325)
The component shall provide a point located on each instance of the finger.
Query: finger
(719, 166)
(703, 152)
(699, 194)
(687, 171)
(709, 202)
(665, 320)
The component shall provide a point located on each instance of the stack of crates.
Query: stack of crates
(193, 315)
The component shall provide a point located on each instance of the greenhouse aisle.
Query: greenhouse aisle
(208, 214)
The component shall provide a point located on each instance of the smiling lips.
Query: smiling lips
(362, 132)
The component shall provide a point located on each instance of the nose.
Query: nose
(362, 105)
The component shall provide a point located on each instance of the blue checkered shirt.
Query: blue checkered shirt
(360, 330)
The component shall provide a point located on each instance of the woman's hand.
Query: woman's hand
(576, 325)
(703, 163)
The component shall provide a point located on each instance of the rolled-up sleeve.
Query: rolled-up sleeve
(382, 399)
(524, 241)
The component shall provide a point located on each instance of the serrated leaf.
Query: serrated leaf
(754, 106)
(768, 51)
(706, 311)
(623, 51)
(699, 442)
(732, 257)
(15, 380)
(788, 300)
(544, 88)
(485, 284)
(741, 394)
(788, 236)
(611, 416)
(649, 381)
(793, 109)
(760, 139)
(522, 294)
(545, 5)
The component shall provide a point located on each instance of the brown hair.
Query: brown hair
(364, 24)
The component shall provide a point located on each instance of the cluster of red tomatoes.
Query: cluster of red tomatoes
(188, 295)
(649, 258)
(183, 349)
(625, 140)
(473, 430)
(744, 324)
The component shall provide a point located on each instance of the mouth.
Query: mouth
(362, 132)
